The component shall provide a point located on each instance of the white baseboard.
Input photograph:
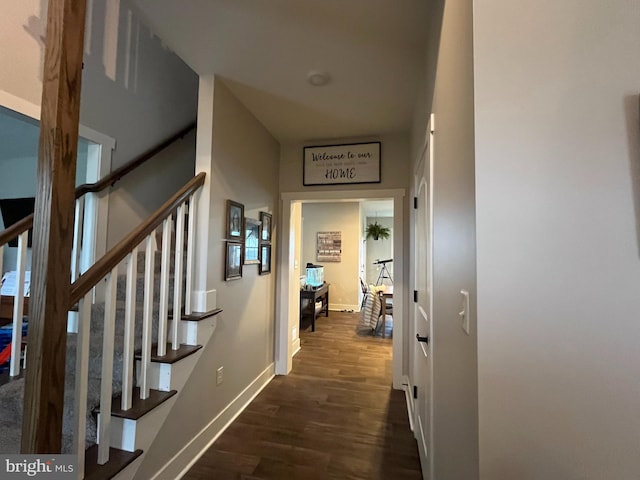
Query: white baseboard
(408, 389)
(182, 461)
(295, 346)
(339, 307)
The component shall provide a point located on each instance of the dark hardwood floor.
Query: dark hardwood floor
(334, 417)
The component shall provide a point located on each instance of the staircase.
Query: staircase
(128, 355)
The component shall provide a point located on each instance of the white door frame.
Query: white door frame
(286, 315)
(97, 205)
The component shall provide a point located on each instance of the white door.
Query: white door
(423, 254)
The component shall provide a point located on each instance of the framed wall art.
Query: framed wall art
(233, 261)
(235, 217)
(265, 227)
(341, 164)
(265, 259)
(252, 241)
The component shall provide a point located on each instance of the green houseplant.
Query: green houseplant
(377, 231)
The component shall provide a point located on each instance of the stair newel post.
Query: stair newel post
(106, 380)
(128, 356)
(164, 285)
(177, 278)
(191, 240)
(53, 227)
(147, 318)
(18, 306)
(82, 380)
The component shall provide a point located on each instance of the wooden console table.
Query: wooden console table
(312, 296)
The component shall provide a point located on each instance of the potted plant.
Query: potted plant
(377, 231)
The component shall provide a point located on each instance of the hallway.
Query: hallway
(334, 417)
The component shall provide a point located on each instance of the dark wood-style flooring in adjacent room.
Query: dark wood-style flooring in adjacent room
(334, 417)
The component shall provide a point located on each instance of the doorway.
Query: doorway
(287, 308)
(19, 136)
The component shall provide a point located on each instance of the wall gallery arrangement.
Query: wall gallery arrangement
(248, 241)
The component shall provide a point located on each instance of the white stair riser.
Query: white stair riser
(129, 435)
(165, 376)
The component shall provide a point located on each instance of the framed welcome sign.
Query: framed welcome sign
(341, 164)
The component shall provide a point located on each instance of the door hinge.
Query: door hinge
(415, 202)
(415, 296)
(415, 391)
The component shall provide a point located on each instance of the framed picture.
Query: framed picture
(265, 227)
(251, 241)
(265, 259)
(235, 216)
(233, 261)
(341, 164)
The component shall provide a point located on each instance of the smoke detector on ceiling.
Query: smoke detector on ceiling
(318, 79)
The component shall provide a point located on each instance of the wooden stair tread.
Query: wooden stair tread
(118, 461)
(172, 356)
(140, 407)
(197, 316)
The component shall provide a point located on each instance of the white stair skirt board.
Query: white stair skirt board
(182, 461)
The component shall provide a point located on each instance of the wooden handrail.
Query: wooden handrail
(109, 180)
(112, 258)
(118, 173)
(16, 229)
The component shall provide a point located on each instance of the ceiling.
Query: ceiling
(372, 50)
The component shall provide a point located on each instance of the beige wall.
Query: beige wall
(448, 88)
(244, 167)
(342, 217)
(557, 166)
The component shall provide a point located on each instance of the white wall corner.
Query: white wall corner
(295, 346)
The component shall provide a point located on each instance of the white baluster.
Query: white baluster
(128, 355)
(106, 381)
(18, 306)
(82, 380)
(164, 285)
(77, 239)
(177, 278)
(1, 256)
(191, 244)
(147, 317)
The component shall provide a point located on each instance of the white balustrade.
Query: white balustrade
(82, 380)
(106, 379)
(147, 317)
(191, 239)
(164, 285)
(128, 355)
(177, 278)
(18, 306)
